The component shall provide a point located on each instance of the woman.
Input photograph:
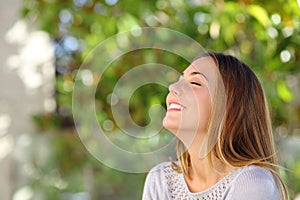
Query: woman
(218, 112)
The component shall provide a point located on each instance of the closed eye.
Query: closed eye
(195, 83)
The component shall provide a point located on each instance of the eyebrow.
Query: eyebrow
(196, 73)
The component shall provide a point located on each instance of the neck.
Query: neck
(202, 174)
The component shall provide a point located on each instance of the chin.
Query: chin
(172, 127)
(172, 122)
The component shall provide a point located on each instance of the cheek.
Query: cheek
(204, 110)
(204, 106)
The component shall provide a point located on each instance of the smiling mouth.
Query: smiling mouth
(175, 107)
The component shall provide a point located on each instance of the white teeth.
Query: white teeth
(176, 106)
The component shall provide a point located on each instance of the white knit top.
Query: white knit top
(249, 183)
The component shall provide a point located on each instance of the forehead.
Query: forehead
(205, 65)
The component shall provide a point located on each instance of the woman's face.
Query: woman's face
(189, 101)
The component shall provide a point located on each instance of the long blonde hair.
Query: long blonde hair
(240, 125)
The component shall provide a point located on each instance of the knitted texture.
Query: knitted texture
(178, 188)
(164, 183)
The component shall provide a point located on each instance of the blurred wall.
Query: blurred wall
(26, 88)
(10, 86)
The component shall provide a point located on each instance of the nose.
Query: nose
(175, 88)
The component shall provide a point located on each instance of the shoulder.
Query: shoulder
(158, 173)
(255, 183)
(254, 172)
(256, 175)
(155, 186)
(160, 168)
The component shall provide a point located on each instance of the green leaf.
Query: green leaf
(283, 92)
(260, 14)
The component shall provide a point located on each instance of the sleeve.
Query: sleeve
(154, 184)
(149, 188)
(254, 184)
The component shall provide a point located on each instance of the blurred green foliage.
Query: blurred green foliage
(264, 34)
